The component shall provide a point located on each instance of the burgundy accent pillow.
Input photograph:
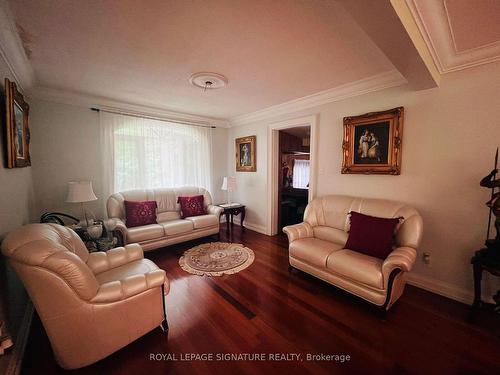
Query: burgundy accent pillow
(371, 235)
(140, 213)
(192, 206)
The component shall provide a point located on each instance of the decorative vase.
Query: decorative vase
(95, 231)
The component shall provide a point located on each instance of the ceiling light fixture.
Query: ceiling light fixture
(208, 81)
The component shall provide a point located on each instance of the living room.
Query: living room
(401, 101)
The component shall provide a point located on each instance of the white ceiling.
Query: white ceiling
(272, 51)
(459, 33)
(279, 55)
(473, 24)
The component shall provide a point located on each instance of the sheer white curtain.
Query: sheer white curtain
(141, 153)
(300, 174)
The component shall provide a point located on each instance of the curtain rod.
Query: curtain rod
(117, 112)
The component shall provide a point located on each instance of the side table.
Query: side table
(484, 260)
(231, 211)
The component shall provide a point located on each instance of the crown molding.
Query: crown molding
(438, 35)
(90, 101)
(377, 82)
(12, 50)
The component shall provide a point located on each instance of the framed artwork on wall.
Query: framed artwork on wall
(372, 142)
(246, 154)
(16, 127)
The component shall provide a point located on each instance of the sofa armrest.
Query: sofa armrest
(119, 290)
(214, 210)
(102, 261)
(298, 231)
(122, 228)
(402, 258)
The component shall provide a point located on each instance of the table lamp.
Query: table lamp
(229, 184)
(81, 192)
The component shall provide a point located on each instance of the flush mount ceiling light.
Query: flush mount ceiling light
(208, 81)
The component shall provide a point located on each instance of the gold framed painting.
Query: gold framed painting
(17, 128)
(246, 154)
(372, 142)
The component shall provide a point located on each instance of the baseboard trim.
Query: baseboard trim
(440, 287)
(255, 227)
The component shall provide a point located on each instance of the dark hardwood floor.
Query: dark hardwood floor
(266, 309)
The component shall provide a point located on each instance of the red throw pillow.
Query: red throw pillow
(192, 206)
(140, 213)
(371, 235)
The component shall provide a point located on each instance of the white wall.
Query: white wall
(16, 185)
(251, 186)
(219, 163)
(66, 146)
(450, 135)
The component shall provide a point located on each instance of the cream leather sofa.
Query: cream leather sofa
(317, 247)
(171, 229)
(93, 304)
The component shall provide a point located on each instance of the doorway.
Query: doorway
(291, 171)
(293, 174)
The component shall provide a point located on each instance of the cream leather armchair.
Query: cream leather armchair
(93, 304)
(316, 246)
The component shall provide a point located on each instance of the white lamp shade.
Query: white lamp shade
(80, 191)
(229, 184)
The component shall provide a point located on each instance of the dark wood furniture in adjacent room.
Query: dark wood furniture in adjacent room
(292, 205)
(231, 211)
(292, 201)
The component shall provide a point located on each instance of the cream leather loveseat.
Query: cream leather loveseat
(171, 229)
(90, 304)
(317, 247)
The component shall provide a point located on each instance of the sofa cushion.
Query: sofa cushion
(162, 217)
(313, 250)
(192, 206)
(144, 233)
(370, 235)
(175, 227)
(136, 267)
(203, 221)
(358, 267)
(140, 213)
(330, 234)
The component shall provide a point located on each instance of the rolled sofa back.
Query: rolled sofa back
(328, 215)
(166, 199)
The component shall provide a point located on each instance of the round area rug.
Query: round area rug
(216, 259)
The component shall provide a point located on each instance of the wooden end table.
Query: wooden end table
(231, 211)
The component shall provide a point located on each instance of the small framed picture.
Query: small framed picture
(17, 129)
(246, 154)
(372, 142)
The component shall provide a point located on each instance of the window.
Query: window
(142, 153)
(300, 174)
